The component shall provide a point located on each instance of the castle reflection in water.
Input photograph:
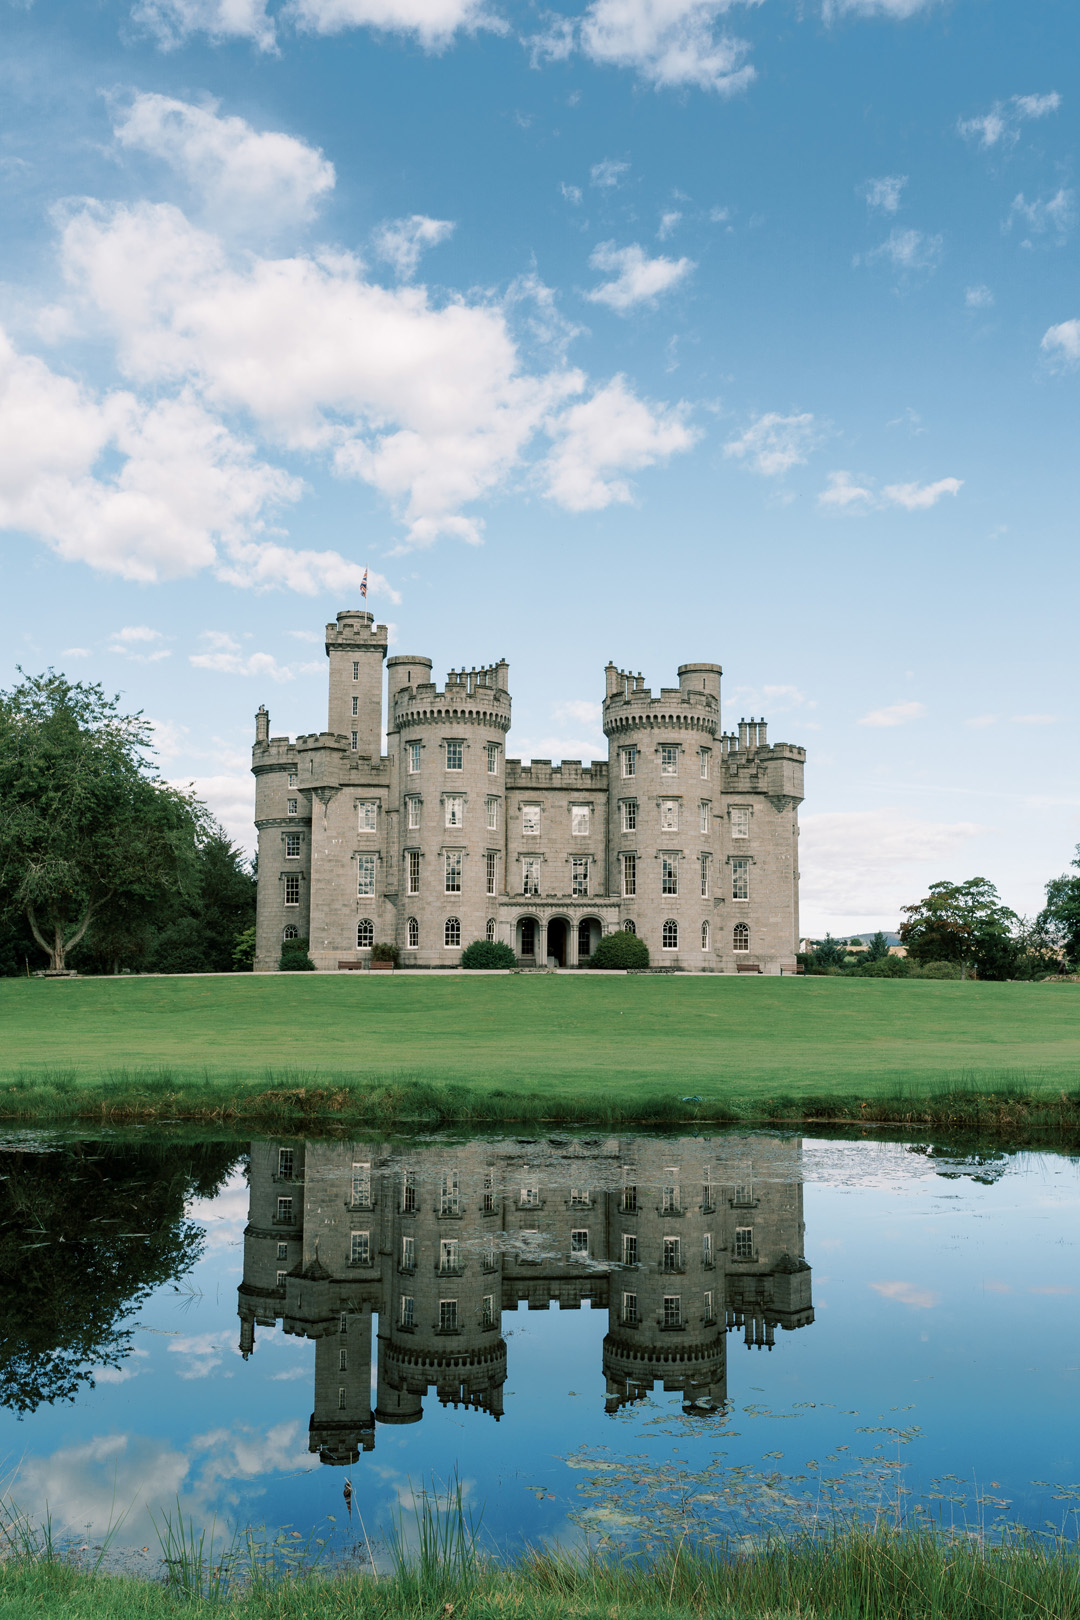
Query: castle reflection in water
(680, 1240)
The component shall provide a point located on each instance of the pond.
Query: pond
(607, 1336)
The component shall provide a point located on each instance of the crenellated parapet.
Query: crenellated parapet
(542, 773)
(750, 764)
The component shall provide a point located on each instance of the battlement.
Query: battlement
(471, 696)
(542, 773)
(356, 629)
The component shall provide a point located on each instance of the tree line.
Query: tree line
(105, 866)
(962, 930)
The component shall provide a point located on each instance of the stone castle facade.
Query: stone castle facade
(687, 835)
(680, 1242)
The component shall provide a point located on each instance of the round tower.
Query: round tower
(449, 788)
(663, 771)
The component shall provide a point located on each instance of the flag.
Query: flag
(363, 584)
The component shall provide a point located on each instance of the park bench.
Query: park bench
(748, 967)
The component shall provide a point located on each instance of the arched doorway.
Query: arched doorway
(528, 939)
(589, 931)
(557, 941)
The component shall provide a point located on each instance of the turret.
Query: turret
(356, 647)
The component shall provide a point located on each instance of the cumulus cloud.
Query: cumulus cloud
(773, 444)
(918, 497)
(979, 297)
(243, 175)
(899, 10)
(173, 21)
(905, 1293)
(860, 866)
(896, 714)
(140, 642)
(611, 433)
(608, 173)
(907, 251)
(223, 653)
(1054, 215)
(668, 223)
(1062, 342)
(432, 22)
(844, 493)
(401, 241)
(668, 43)
(637, 279)
(1001, 125)
(884, 193)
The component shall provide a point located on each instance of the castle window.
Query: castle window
(671, 1258)
(706, 1249)
(284, 1212)
(365, 934)
(368, 817)
(629, 926)
(629, 815)
(356, 669)
(455, 756)
(703, 756)
(669, 759)
(343, 1322)
(528, 936)
(283, 1251)
(412, 934)
(744, 1243)
(408, 1254)
(491, 872)
(354, 741)
(455, 811)
(489, 931)
(290, 931)
(492, 808)
(629, 761)
(292, 778)
(406, 1311)
(452, 932)
(285, 1162)
(450, 1194)
(408, 1191)
(292, 889)
(292, 846)
(579, 875)
(740, 821)
(487, 1201)
(579, 1243)
(487, 1312)
(579, 1198)
(629, 876)
(356, 705)
(669, 938)
(669, 875)
(669, 815)
(454, 860)
(412, 860)
(629, 1198)
(414, 757)
(670, 1201)
(704, 877)
(672, 1310)
(292, 806)
(629, 1249)
(361, 1186)
(530, 820)
(281, 1278)
(704, 936)
(530, 1195)
(341, 1398)
(704, 815)
(580, 819)
(412, 812)
(740, 879)
(710, 1311)
(448, 1316)
(365, 874)
(360, 1249)
(493, 759)
(449, 1256)
(629, 1309)
(740, 937)
(530, 875)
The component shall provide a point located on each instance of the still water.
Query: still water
(597, 1335)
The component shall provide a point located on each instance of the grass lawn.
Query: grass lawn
(579, 1041)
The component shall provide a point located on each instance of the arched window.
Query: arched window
(452, 931)
(704, 936)
(365, 933)
(740, 937)
(670, 936)
(413, 934)
(290, 931)
(629, 926)
(490, 930)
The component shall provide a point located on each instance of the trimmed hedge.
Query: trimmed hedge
(488, 953)
(295, 958)
(620, 950)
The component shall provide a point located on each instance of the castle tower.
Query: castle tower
(356, 647)
(448, 784)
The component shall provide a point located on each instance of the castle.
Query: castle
(686, 836)
(681, 1241)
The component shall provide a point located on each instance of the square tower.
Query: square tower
(356, 647)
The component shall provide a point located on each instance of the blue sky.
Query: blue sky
(657, 330)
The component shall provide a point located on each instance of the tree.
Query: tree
(89, 833)
(829, 953)
(1059, 920)
(963, 923)
(878, 948)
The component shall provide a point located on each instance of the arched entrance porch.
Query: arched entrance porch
(558, 942)
(589, 932)
(527, 940)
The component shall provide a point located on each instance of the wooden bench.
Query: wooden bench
(353, 966)
(748, 967)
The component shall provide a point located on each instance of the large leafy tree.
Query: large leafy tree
(964, 923)
(89, 833)
(1059, 919)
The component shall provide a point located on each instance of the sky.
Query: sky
(656, 331)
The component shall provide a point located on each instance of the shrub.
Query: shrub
(488, 953)
(243, 954)
(939, 970)
(620, 950)
(386, 953)
(887, 967)
(295, 958)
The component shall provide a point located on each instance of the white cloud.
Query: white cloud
(637, 278)
(884, 193)
(1001, 125)
(608, 173)
(909, 250)
(979, 297)
(581, 710)
(572, 194)
(1054, 215)
(139, 642)
(230, 798)
(173, 21)
(247, 1453)
(202, 1352)
(611, 433)
(1062, 342)
(773, 444)
(899, 10)
(668, 222)
(860, 866)
(1033, 719)
(668, 42)
(401, 241)
(918, 497)
(433, 22)
(245, 177)
(906, 1293)
(224, 654)
(845, 495)
(896, 714)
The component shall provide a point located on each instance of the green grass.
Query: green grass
(306, 1046)
(851, 1575)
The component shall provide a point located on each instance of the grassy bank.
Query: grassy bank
(304, 1048)
(849, 1576)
